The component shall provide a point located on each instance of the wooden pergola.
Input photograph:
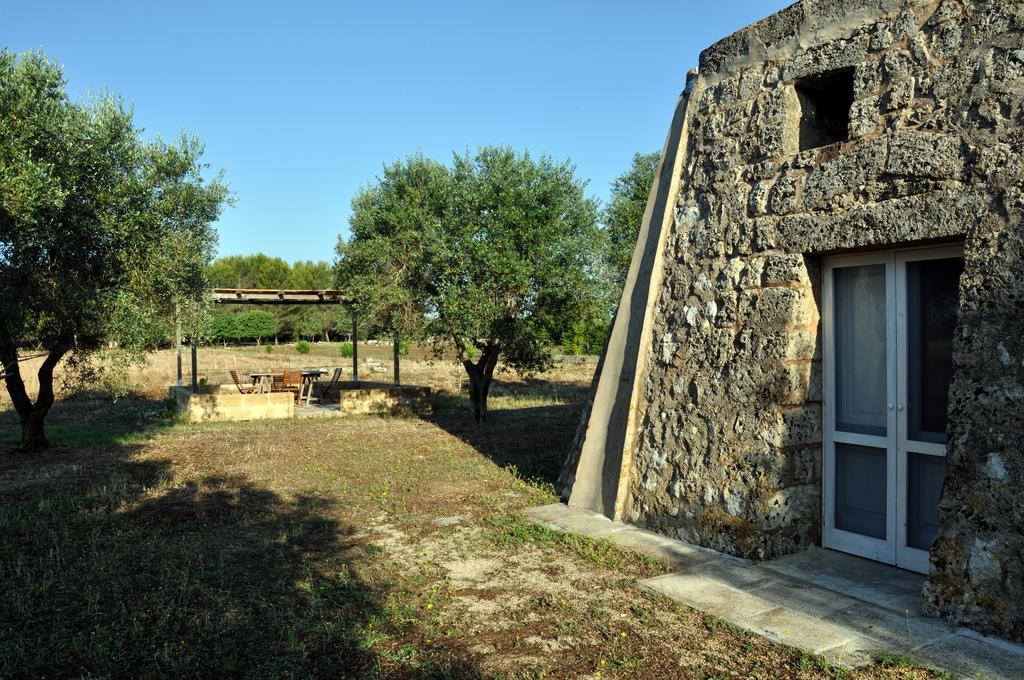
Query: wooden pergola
(268, 296)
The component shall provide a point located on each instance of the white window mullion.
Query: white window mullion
(900, 378)
(892, 429)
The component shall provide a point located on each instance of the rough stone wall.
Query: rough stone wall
(729, 446)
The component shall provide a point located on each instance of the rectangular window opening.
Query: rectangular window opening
(825, 102)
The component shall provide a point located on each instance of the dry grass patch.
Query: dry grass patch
(356, 547)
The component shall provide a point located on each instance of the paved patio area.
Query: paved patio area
(326, 410)
(842, 607)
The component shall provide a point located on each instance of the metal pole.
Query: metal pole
(396, 352)
(177, 338)
(195, 368)
(355, 347)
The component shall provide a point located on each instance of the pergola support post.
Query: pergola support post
(177, 338)
(397, 359)
(355, 346)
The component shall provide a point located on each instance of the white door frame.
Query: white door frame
(893, 549)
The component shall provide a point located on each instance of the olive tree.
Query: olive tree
(624, 213)
(101, 233)
(488, 256)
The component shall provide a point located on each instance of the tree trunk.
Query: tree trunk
(33, 436)
(481, 374)
(14, 383)
(32, 416)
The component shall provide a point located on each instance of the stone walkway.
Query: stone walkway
(839, 606)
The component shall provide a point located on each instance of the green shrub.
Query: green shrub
(302, 347)
(270, 349)
(585, 337)
(572, 342)
(403, 348)
(346, 350)
(595, 337)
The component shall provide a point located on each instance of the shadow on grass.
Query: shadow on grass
(111, 567)
(86, 421)
(530, 425)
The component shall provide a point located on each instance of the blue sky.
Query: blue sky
(301, 103)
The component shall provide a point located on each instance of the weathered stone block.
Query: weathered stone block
(865, 117)
(937, 214)
(782, 198)
(843, 175)
(793, 384)
(718, 57)
(900, 96)
(778, 307)
(925, 154)
(801, 426)
(785, 268)
(780, 27)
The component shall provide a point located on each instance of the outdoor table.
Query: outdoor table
(308, 380)
(265, 381)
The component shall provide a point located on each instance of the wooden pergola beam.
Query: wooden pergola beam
(268, 296)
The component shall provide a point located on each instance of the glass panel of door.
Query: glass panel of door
(888, 320)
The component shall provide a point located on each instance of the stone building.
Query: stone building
(821, 341)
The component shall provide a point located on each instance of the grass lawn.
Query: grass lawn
(359, 547)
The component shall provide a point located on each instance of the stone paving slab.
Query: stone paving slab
(785, 625)
(880, 584)
(896, 631)
(708, 596)
(798, 597)
(968, 656)
(559, 516)
(839, 606)
(737, 573)
(549, 515)
(859, 651)
(680, 556)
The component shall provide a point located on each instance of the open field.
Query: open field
(356, 547)
(420, 367)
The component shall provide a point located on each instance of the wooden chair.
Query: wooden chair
(243, 389)
(325, 390)
(291, 381)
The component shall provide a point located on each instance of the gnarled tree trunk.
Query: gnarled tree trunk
(32, 416)
(481, 374)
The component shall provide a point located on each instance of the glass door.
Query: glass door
(860, 427)
(927, 298)
(887, 329)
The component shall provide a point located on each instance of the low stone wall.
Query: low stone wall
(368, 397)
(224, 402)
